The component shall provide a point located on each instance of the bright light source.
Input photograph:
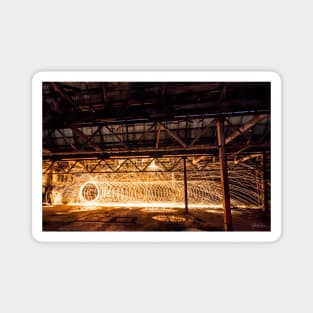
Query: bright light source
(153, 167)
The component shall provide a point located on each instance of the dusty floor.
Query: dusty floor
(78, 218)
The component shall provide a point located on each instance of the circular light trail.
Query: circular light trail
(89, 192)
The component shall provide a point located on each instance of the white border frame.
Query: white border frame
(183, 76)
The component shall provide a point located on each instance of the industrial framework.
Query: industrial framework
(165, 144)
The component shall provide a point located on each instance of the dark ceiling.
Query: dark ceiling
(120, 119)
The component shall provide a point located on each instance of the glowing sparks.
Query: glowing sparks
(170, 218)
(157, 188)
(89, 192)
(153, 166)
(56, 197)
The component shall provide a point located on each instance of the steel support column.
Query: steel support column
(185, 185)
(264, 183)
(224, 175)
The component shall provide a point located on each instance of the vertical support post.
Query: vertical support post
(264, 183)
(185, 185)
(224, 175)
(258, 186)
(48, 188)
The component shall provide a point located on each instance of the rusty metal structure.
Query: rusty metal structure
(216, 133)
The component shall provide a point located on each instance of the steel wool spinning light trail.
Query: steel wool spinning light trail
(160, 189)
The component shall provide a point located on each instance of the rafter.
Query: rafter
(174, 136)
(116, 136)
(86, 138)
(158, 136)
(65, 139)
(144, 132)
(245, 127)
(65, 96)
(91, 137)
(202, 133)
(48, 168)
(71, 167)
(247, 157)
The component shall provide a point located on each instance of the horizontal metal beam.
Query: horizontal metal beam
(141, 115)
(151, 152)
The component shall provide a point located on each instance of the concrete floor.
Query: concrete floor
(79, 218)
